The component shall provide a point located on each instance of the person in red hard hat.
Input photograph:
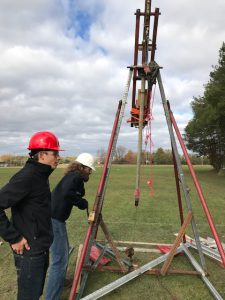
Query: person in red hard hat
(29, 231)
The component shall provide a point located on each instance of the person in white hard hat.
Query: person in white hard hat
(69, 192)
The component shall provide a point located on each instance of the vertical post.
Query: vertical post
(135, 57)
(154, 35)
(139, 154)
(145, 50)
(146, 30)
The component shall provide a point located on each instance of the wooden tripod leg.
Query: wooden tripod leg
(177, 242)
(78, 258)
(113, 247)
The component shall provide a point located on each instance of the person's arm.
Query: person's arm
(11, 194)
(74, 192)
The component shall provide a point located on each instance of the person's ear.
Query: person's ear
(41, 155)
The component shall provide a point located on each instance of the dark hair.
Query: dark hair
(34, 154)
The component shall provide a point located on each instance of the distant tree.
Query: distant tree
(205, 133)
(67, 159)
(70, 158)
(100, 156)
(162, 157)
(6, 158)
(120, 154)
(130, 157)
(195, 160)
(13, 160)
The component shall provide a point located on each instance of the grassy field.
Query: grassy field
(155, 220)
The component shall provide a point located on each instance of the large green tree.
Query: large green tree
(205, 133)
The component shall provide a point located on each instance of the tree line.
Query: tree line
(159, 157)
(122, 156)
(9, 160)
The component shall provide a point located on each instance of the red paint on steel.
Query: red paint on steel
(77, 273)
(199, 190)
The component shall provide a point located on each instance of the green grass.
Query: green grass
(155, 220)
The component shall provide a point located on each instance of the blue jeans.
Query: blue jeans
(31, 273)
(59, 261)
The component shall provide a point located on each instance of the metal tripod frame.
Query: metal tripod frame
(148, 73)
(86, 265)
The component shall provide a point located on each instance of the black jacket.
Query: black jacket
(28, 195)
(68, 192)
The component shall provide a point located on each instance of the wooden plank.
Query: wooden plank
(149, 272)
(143, 250)
(177, 242)
(113, 247)
(137, 243)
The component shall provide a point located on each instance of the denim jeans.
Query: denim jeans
(59, 252)
(31, 273)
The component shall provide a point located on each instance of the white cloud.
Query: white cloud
(54, 79)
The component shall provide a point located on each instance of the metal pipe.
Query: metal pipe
(139, 154)
(199, 190)
(142, 100)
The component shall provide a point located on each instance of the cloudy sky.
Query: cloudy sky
(63, 67)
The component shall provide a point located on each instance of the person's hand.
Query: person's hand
(19, 247)
(83, 204)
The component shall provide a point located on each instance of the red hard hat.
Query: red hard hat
(44, 140)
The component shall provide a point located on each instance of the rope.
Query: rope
(148, 138)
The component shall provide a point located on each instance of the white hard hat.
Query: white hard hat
(86, 159)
